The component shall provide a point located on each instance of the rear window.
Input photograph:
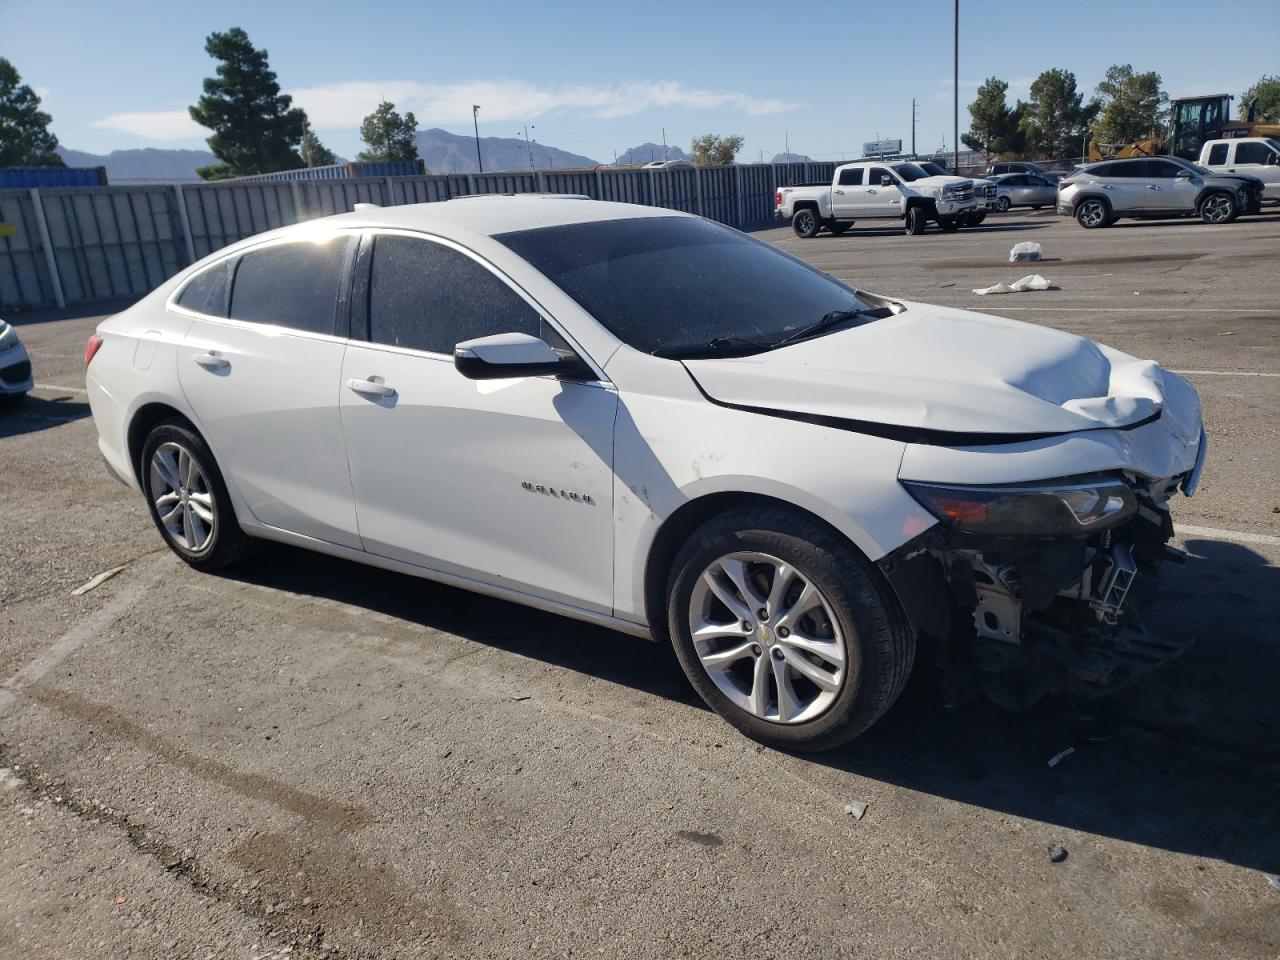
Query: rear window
(206, 292)
(677, 284)
(290, 284)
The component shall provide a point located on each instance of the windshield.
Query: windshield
(1182, 162)
(680, 285)
(932, 168)
(909, 171)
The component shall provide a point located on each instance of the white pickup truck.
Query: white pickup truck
(877, 190)
(1259, 156)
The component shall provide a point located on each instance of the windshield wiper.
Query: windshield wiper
(717, 345)
(827, 321)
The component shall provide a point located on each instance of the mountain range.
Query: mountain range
(649, 152)
(145, 165)
(446, 152)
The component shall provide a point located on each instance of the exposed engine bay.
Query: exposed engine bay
(1017, 618)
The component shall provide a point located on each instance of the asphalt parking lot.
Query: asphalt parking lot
(308, 757)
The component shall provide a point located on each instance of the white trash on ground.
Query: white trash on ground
(1027, 250)
(1032, 282)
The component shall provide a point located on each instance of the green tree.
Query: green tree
(315, 153)
(1267, 92)
(993, 126)
(1132, 106)
(710, 150)
(389, 135)
(1056, 119)
(25, 138)
(255, 128)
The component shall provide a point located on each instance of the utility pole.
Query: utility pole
(955, 88)
(914, 115)
(528, 145)
(787, 141)
(475, 119)
(664, 144)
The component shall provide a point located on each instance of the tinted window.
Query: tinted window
(1252, 153)
(1162, 169)
(1217, 154)
(876, 174)
(290, 284)
(910, 172)
(676, 284)
(207, 291)
(1129, 169)
(426, 296)
(851, 178)
(1017, 180)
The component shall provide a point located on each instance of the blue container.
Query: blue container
(53, 177)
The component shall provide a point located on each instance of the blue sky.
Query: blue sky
(601, 76)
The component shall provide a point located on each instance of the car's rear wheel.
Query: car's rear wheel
(785, 630)
(916, 221)
(1218, 207)
(188, 499)
(806, 223)
(1003, 204)
(1092, 214)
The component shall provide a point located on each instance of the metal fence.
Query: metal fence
(71, 245)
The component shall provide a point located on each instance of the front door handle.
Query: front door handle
(840, 192)
(212, 361)
(371, 388)
(870, 191)
(1152, 186)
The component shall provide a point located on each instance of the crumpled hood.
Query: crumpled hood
(950, 371)
(937, 182)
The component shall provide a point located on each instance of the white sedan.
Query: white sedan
(650, 421)
(15, 366)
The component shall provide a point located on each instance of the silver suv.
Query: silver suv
(1098, 194)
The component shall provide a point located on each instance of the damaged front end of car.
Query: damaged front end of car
(1028, 589)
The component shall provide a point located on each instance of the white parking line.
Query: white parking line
(54, 386)
(1237, 311)
(1227, 373)
(1189, 530)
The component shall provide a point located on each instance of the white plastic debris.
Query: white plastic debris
(855, 809)
(1057, 758)
(1027, 250)
(1032, 282)
(97, 580)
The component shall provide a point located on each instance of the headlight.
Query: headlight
(8, 336)
(1048, 509)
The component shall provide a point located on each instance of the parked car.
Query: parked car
(15, 366)
(1098, 194)
(666, 164)
(984, 190)
(650, 421)
(876, 190)
(1255, 156)
(1024, 190)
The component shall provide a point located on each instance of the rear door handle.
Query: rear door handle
(371, 388)
(841, 192)
(1152, 186)
(870, 191)
(212, 361)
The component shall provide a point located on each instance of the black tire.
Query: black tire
(1003, 204)
(916, 221)
(979, 217)
(1093, 213)
(838, 229)
(879, 647)
(806, 223)
(949, 225)
(1218, 207)
(227, 543)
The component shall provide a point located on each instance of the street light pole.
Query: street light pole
(955, 88)
(475, 119)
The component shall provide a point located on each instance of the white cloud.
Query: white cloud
(346, 104)
(154, 125)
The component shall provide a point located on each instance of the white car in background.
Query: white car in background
(15, 366)
(653, 422)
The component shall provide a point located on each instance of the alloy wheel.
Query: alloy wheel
(182, 497)
(1217, 208)
(1092, 213)
(767, 637)
(806, 222)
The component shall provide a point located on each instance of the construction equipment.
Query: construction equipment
(1192, 121)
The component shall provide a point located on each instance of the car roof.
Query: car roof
(493, 214)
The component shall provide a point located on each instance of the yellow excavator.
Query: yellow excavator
(1192, 122)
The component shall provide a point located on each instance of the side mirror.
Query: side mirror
(1185, 174)
(886, 181)
(510, 355)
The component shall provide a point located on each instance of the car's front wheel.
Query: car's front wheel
(1002, 204)
(1218, 208)
(188, 499)
(1092, 214)
(917, 220)
(806, 223)
(785, 630)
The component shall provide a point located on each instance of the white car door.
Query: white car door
(884, 199)
(848, 193)
(508, 482)
(1259, 160)
(260, 370)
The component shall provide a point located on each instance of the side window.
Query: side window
(206, 292)
(1162, 170)
(290, 284)
(1218, 155)
(851, 178)
(1252, 153)
(876, 174)
(426, 296)
(1129, 170)
(1018, 180)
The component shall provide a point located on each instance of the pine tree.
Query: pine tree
(25, 138)
(389, 135)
